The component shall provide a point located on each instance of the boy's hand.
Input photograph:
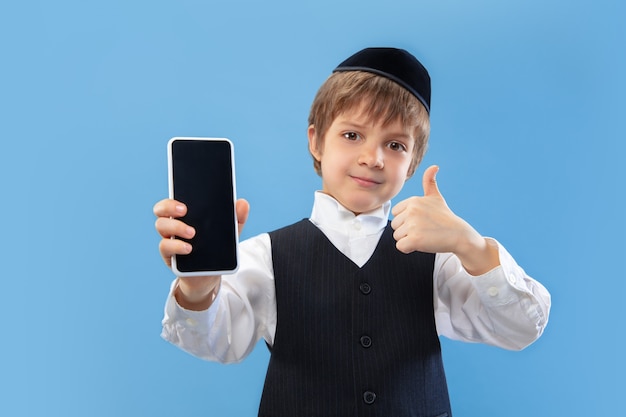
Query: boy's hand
(194, 293)
(167, 225)
(427, 224)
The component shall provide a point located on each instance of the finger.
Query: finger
(398, 208)
(403, 245)
(399, 233)
(429, 182)
(168, 227)
(242, 207)
(171, 247)
(169, 208)
(398, 220)
(401, 207)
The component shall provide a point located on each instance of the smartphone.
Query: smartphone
(202, 175)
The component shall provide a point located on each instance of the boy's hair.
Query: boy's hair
(385, 102)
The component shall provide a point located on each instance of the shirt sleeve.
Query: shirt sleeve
(243, 312)
(504, 307)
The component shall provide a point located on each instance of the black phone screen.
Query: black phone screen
(202, 177)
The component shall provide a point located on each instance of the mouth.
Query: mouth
(365, 182)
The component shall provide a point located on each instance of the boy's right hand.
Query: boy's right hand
(167, 225)
(194, 293)
(168, 212)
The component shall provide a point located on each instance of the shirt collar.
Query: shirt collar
(328, 213)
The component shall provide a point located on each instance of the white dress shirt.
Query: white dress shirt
(504, 307)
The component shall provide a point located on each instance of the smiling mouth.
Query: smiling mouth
(365, 182)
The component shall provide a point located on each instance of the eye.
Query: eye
(352, 136)
(397, 146)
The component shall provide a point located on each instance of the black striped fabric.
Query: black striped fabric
(352, 341)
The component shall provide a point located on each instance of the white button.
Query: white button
(493, 291)
(357, 225)
(512, 279)
(191, 321)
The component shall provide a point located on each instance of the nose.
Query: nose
(371, 156)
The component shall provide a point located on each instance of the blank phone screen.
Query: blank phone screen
(202, 178)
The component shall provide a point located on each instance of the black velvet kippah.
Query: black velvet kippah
(396, 64)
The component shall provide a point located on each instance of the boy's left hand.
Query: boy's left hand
(427, 224)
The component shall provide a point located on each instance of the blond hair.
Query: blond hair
(384, 101)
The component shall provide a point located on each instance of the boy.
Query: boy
(351, 305)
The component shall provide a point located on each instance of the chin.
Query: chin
(360, 207)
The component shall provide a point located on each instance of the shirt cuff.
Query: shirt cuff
(179, 317)
(503, 284)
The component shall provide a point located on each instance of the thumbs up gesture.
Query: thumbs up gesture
(427, 224)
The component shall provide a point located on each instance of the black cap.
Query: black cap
(395, 64)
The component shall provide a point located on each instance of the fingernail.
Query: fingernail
(180, 208)
(187, 248)
(190, 231)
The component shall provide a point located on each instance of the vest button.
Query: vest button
(366, 341)
(369, 397)
(365, 288)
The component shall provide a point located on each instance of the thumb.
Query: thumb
(242, 207)
(429, 182)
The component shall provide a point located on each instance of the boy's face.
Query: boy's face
(364, 164)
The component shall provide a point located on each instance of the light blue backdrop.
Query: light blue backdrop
(528, 128)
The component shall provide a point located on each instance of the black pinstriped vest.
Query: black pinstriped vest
(352, 341)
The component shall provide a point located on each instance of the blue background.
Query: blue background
(527, 126)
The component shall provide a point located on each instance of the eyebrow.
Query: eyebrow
(347, 124)
(350, 124)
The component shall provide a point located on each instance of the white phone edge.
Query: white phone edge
(170, 177)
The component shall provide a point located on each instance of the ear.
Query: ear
(313, 142)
